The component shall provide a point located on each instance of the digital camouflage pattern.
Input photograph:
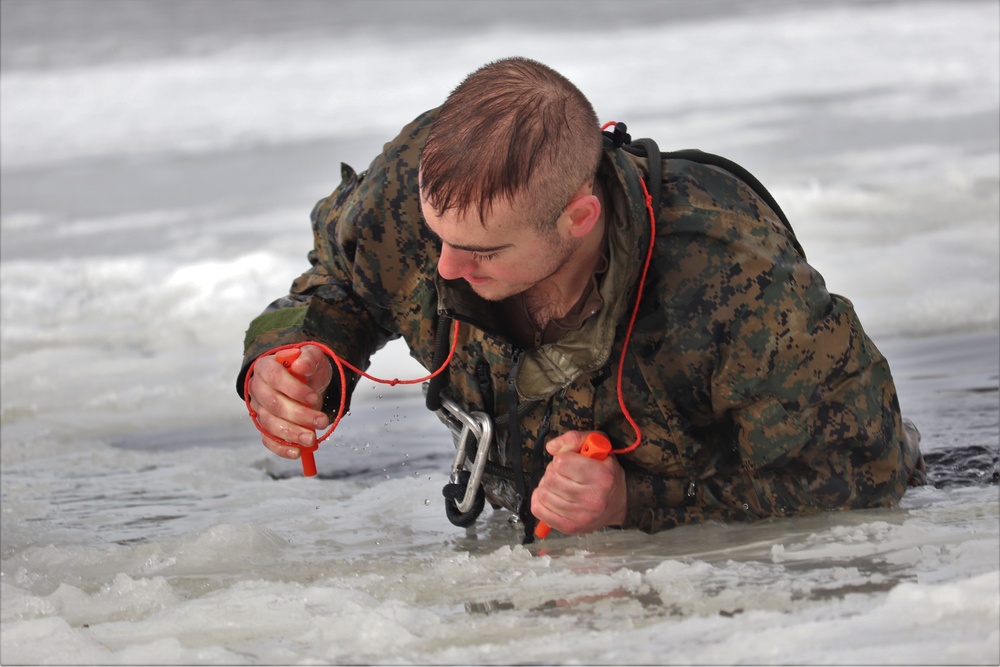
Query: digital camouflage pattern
(758, 393)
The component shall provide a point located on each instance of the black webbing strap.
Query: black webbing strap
(437, 383)
(647, 147)
(655, 174)
(695, 155)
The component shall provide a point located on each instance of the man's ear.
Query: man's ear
(584, 212)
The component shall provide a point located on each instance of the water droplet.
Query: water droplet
(427, 501)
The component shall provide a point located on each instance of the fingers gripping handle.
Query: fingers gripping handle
(596, 446)
(287, 354)
(286, 358)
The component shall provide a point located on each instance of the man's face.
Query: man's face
(506, 256)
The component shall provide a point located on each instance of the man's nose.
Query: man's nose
(454, 264)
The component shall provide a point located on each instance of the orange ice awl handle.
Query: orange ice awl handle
(596, 446)
(286, 358)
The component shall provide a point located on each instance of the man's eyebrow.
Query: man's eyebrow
(478, 249)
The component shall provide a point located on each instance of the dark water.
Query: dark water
(972, 465)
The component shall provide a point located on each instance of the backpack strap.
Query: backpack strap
(740, 172)
(655, 174)
(648, 147)
(432, 395)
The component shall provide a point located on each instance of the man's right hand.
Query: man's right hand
(285, 406)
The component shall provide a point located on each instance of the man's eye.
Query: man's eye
(484, 258)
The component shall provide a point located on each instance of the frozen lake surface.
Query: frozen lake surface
(159, 161)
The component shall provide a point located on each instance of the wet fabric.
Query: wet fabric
(757, 391)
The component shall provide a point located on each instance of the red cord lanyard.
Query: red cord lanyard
(308, 463)
(635, 309)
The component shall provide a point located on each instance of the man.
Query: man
(739, 388)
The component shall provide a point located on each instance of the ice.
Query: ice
(156, 192)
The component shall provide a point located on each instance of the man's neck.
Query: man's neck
(552, 298)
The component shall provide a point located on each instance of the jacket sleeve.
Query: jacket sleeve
(371, 274)
(322, 304)
(766, 395)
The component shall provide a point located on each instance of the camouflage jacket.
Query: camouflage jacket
(757, 392)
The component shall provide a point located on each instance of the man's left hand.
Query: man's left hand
(578, 494)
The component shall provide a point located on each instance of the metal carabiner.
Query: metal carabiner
(465, 424)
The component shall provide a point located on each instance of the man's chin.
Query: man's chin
(491, 291)
(487, 294)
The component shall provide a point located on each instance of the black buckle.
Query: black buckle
(620, 136)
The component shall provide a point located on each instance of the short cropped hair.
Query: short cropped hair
(513, 127)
